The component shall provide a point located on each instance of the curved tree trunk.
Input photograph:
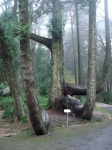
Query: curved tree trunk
(91, 85)
(12, 78)
(28, 72)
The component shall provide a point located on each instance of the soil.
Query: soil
(80, 134)
(9, 128)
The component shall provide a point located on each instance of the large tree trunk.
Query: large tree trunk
(87, 110)
(91, 85)
(28, 73)
(12, 78)
(57, 55)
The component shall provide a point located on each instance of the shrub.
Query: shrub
(8, 112)
(107, 97)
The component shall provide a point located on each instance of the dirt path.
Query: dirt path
(90, 136)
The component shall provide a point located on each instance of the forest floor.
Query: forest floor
(9, 128)
(80, 134)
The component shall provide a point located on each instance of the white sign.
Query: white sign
(67, 110)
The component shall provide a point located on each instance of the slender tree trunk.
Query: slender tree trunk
(15, 90)
(91, 85)
(78, 48)
(28, 72)
(74, 50)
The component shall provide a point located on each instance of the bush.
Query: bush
(44, 89)
(43, 100)
(6, 103)
(8, 112)
(107, 97)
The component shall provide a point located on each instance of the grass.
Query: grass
(7, 104)
(43, 100)
(102, 110)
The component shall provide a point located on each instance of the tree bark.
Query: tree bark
(12, 78)
(78, 48)
(28, 72)
(42, 40)
(74, 49)
(57, 55)
(108, 50)
(91, 85)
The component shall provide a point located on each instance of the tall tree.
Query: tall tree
(73, 45)
(87, 110)
(28, 72)
(57, 55)
(107, 60)
(91, 85)
(8, 53)
(78, 47)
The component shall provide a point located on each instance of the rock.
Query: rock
(9, 134)
(72, 102)
(46, 118)
(6, 91)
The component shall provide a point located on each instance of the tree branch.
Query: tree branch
(42, 40)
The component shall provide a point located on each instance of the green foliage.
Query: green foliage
(83, 100)
(20, 31)
(107, 97)
(69, 78)
(8, 112)
(56, 28)
(42, 70)
(2, 74)
(43, 100)
(7, 23)
(24, 119)
(3, 85)
(6, 103)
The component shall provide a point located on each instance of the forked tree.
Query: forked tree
(28, 71)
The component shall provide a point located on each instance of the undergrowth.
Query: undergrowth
(7, 104)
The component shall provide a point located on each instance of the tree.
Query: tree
(107, 60)
(78, 47)
(91, 85)
(28, 72)
(87, 110)
(74, 49)
(8, 53)
(57, 55)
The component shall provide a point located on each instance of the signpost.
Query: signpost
(67, 111)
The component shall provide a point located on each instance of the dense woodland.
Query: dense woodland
(54, 54)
